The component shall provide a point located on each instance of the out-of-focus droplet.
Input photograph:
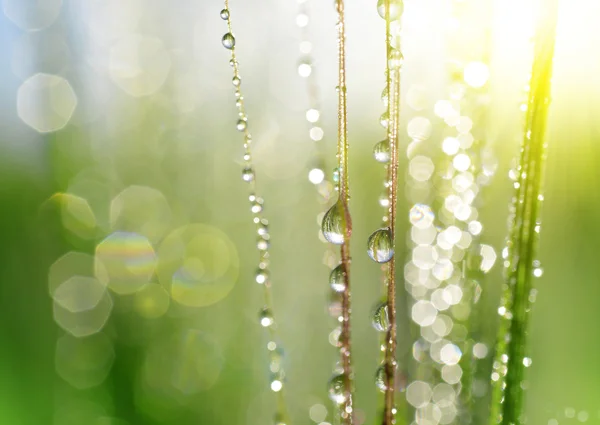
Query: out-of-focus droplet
(248, 174)
(380, 245)
(265, 317)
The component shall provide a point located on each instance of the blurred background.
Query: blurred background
(120, 166)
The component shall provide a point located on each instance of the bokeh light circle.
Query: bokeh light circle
(199, 264)
(129, 259)
(46, 102)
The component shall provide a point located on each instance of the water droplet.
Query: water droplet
(380, 379)
(257, 206)
(241, 124)
(334, 224)
(337, 280)
(396, 59)
(380, 245)
(337, 388)
(248, 174)
(336, 175)
(384, 119)
(381, 151)
(228, 41)
(396, 9)
(265, 317)
(262, 276)
(224, 14)
(381, 319)
(384, 200)
(236, 81)
(262, 243)
(384, 96)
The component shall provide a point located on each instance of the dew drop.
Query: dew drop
(337, 389)
(384, 200)
(262, 243)
(265, 317)
(334, 224)
(337, 280)
(395, 59)
(228, 41)
(384, 119)
(241, 125)
(396, 9)
(380, 318)
(381, 151)
(224, 14)
(336, 175)
(262, 276)
(236, 81)
(248, 174)
(380, 246)
(380, 379)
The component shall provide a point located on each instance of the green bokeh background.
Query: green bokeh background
(191, 160)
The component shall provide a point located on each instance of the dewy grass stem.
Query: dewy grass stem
(345, 349)
(511, 351)
(266, 316)
(393, 66)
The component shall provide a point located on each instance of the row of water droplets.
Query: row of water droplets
(262, 275)
(380, 245)
(318, 177)
(336, 227)
(520, 262)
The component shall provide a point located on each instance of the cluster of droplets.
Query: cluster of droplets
(262, 274)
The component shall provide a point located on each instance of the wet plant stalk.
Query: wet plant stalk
(511, 358)
(281, 410)
(393, 89)
(342, 153)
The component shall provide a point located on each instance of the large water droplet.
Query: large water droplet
(381, 151)
(396, 9)
(381, 319)
(236, 81)
(265, 317)
(224, 14)
(334, 224)
(337, 388)
(380, 246)
(380, 378)
(228, 41)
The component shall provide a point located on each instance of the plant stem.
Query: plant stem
(281, 411)
(511, 360)
(393, 89)
(345, 349)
